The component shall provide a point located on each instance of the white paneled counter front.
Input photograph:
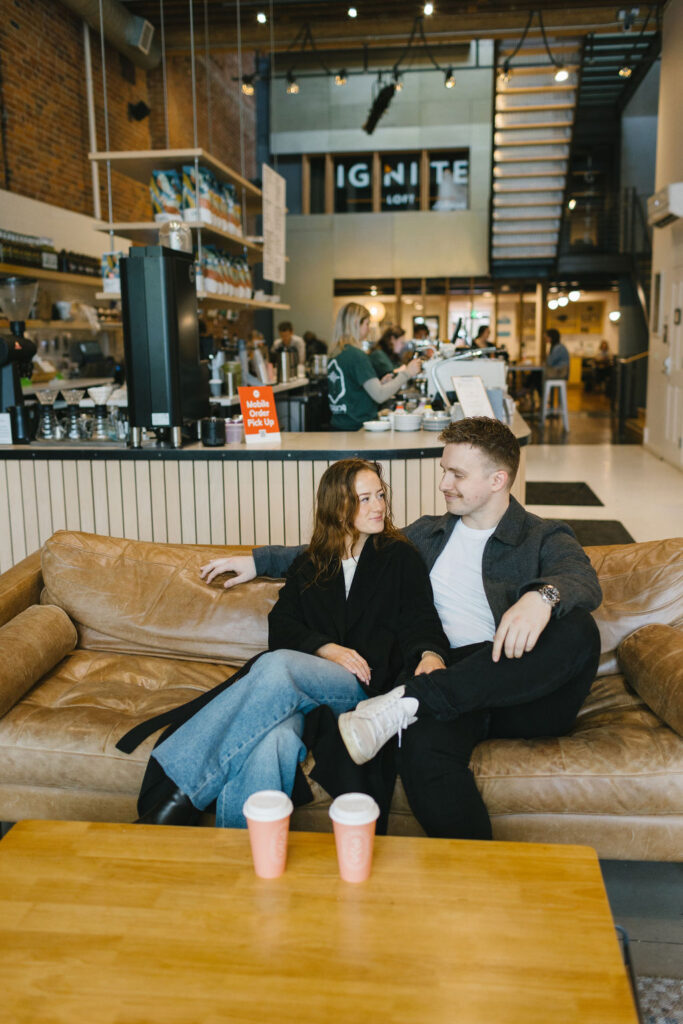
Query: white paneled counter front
(237, 494)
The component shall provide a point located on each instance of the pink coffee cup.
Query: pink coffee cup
(353, 819)
(267, 813)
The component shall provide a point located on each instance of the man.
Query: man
(290, 341)
(514, 594)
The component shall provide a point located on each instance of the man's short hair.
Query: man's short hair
(286, 325)
(491, 437)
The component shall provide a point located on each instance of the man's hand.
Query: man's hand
(429, 663)
(243, 565)
(521, 626)
(347, 658)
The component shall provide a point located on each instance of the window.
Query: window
(449, 177)
(401, 181)
(353, 184)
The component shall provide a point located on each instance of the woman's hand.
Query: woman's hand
(243, 565)
(387, 377)
(347, 658)
(413, 367)
(429, 662)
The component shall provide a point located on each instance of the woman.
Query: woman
(384, 356)
(355, 394)
(355, 611)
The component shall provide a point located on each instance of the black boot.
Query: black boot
(175, 809)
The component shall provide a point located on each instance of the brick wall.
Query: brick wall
(44, 153)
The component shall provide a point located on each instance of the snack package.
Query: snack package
(165, 189)
(189, 195)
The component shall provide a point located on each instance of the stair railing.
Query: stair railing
(630, 393)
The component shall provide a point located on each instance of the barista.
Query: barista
(355, 393)
(290, 342)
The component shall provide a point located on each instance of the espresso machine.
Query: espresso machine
(168, 383)
(17, 295)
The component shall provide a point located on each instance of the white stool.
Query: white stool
(561, 386)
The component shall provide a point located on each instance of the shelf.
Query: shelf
(139, 164)
(148, 232)
(50, 275)
(228, 300)
(65, 325)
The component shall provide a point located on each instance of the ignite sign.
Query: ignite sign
(400, 182)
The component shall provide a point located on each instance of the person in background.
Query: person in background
(420, 332)
(604, 368)
(385, 355)
(557, 360)
(482, 339)
(288, 340)
(355, 394)
(315, 346)
(356, 610)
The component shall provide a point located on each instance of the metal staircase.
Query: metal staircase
(534, 117)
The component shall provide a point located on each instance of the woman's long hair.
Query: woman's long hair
(347, 326)
(335, 510)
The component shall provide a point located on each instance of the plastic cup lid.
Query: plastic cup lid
(354, 809)
(267, 805)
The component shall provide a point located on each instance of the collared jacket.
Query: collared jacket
(522, 554)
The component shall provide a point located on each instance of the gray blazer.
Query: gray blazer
(522, 553)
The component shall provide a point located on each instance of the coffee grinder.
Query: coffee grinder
(17, 295)
(168, 383)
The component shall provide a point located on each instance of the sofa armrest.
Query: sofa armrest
(651, 658)
(20, 587)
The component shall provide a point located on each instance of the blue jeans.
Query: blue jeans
(249, 737)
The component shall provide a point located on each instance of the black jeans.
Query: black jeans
(474, 699)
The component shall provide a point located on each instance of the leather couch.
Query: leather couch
(99, 633)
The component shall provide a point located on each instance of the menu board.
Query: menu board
(274, 208)
(472, 396)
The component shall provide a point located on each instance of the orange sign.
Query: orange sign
(259, 415)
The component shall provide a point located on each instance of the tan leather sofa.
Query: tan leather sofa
(98, 633)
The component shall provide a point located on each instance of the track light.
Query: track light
(248, 85)
(292, 84)
(340, 77)
(504, 74)
(428, 9)
(615, 315)
(398, 82)
(261, 18)
(449, 79)
(625, 71)
(352, 12)
(561, 75)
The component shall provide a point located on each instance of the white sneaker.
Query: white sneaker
(367, 728)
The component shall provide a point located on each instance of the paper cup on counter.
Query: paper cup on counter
(353, 819)
(267, 813)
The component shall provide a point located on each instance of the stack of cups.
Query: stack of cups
(353, 818)
(267, 813)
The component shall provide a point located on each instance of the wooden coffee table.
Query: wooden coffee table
(127, 924)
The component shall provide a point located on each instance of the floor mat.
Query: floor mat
(550, 492)
(595, 532)
(661, 1000)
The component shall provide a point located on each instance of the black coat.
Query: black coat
(388, 617)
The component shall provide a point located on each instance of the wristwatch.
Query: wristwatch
(550, 594)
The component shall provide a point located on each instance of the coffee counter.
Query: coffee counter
(237, 494)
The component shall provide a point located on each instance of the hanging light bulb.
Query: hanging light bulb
(248, 85)
(373, 290)
(561, 75)
(625, 71)
(504, 74)
(449, 79)
(615, 315)
(552, 303)
(340, 77)
(571, 204)
(292, 84)
(563, 300)
(428, 9)
(261, 18)
(398, 82)
(352, 12)
(574, 295)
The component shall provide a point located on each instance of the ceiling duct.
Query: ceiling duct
(131, 35)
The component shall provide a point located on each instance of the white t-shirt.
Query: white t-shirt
(459, 588)
(349, 569)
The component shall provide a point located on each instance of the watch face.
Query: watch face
(550, 594)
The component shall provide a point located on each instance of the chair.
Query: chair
(561, 386)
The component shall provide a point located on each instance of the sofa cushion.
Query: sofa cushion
(30, 645)
(619, 759)
(652, 661)
(641, 584)
(64, 732)
(137, 597)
